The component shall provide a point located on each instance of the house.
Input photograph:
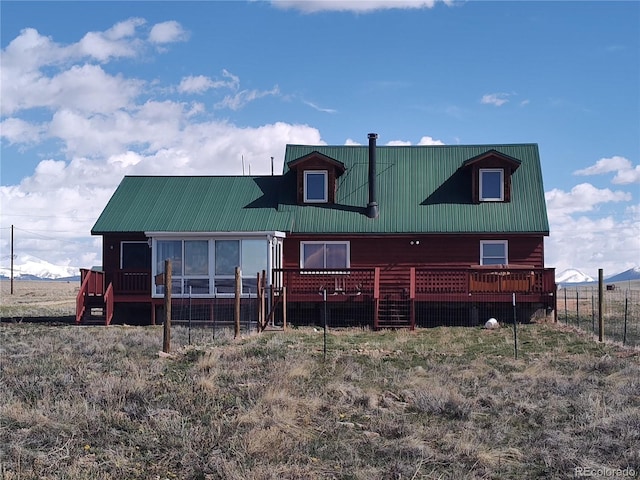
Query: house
(391, 231)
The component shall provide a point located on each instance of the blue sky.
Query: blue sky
(92, 91)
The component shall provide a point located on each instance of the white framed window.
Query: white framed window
(325, 255)
(206, 266)
(316, 186)
(491, 185)
(494, 252)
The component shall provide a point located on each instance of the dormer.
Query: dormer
(491, 176)
(317, 176)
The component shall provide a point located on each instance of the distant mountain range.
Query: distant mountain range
(573, 275)
(31, 268)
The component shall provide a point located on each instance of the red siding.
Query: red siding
(432, 250)
(111, 245)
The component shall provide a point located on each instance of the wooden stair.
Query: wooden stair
(394, 305)
(94, 303)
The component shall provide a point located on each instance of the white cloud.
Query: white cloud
(242, 98)
(582, 198)
(113, 43)
(605, 165)
(430, 141)
(197, 84)
(583, 236)
(167, 32)
(200, 84)
(625, 177)
(357, 6)
(497, 99)
(320, 109)
(16, 130)
(626, 173)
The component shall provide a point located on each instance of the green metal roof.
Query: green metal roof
(193, 204)
(420, 189)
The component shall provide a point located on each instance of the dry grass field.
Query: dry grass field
(444, 403)
(37, 299)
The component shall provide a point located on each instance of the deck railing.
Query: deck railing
(423, 282)
(349, 281)
(132, 282)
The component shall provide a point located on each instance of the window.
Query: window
(208, 266)
(249, 255)
(493, 252)
(491, 184)
(315, 186)
(323, 255)
(196, 267)
(135, 256)
(170, 250)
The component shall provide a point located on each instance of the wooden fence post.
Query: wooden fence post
(259, 296)
(238, 293)
(166, 339)
(600, 299)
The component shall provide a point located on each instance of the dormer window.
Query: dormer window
(316, 178)
(491, 185)
(491, 176)
(315, 186)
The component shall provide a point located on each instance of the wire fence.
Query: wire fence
(207, 318)
(579, 307)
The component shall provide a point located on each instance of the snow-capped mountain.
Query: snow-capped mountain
(31, 267)
(573, 275)
(631, 274)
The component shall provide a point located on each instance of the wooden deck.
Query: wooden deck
(393, 291)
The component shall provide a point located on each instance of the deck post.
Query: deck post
(376, 296)
(166, 340)
(412, 297)
(284, 308)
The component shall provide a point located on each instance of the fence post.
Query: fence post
(260, 312)
(566, 314)
(190, 306)
(515, 329)
(324, 321)
(600, 300)
(238, 293)
(626, 309)
(166, 339)
(578, 307)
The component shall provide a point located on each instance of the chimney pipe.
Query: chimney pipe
(372, 206)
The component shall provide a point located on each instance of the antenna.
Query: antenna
(243, 165)
(272, 166)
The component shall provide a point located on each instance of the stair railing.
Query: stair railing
(108, 301)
